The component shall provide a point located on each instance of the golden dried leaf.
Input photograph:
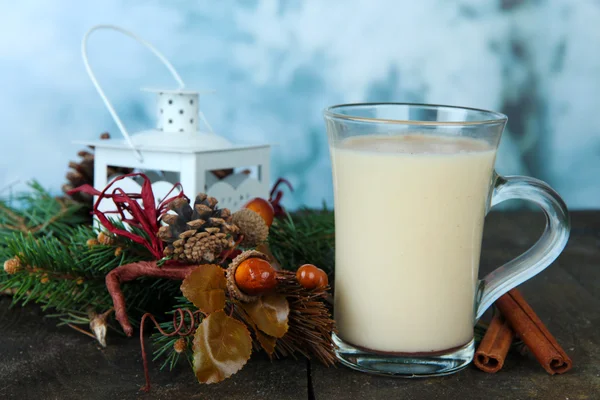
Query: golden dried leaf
(205, 287)
(267, 342)
(222, 346)
(270, 313)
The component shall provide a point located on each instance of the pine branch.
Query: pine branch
(60, 270)
(39, 213)
(165, 345)
(67, 276)
(305, 237)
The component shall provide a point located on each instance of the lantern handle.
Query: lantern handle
(107, 103)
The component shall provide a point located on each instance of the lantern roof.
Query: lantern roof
(176, 142)
(181, 91)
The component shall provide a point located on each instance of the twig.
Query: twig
(80, 330)
(180, 328)
(129, 272)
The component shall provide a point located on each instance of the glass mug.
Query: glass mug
(412, 185)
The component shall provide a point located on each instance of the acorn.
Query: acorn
(249, 275)
(263, 208)
(252, 226)
(311, 277)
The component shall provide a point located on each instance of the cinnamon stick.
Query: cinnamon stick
(494, 346)
(532, 331)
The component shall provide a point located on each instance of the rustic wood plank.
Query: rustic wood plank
(40, 361)
(565, 296)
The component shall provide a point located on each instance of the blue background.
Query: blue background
(277, 64)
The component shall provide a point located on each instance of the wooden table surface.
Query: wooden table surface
(41, 361)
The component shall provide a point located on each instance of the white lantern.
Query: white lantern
(177, 151)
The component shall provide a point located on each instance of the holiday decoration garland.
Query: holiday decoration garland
(233, 294)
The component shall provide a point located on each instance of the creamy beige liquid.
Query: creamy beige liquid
(409, 216)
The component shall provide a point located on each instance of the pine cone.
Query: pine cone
(82, 172)
(200, 234)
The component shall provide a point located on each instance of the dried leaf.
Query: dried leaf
(222, 346)
(205, 287)
(270, 313)
(266, 342)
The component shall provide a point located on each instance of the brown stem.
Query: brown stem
(180, 328)
(130, 272)
(78, 329)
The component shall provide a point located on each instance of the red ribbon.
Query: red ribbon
(145, 217)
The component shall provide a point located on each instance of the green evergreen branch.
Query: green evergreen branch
(40, 213)
(305, 237)
(60, 271)
(165, 345)
(66, 276)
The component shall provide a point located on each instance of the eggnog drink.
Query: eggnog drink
(409, 214)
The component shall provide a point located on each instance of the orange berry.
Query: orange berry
(255, 276)
(263, 208)
(311, 277)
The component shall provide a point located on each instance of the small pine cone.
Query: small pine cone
(203, 247)
(12, 266)
(208, 249)
(164, 233)
(118, 251)
(252, 226)
(168, 251)
(232, 286)
(92, 242)
(105, 239)
(198, 232)
(180, 345)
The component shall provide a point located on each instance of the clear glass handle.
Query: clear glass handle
(542, 253)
